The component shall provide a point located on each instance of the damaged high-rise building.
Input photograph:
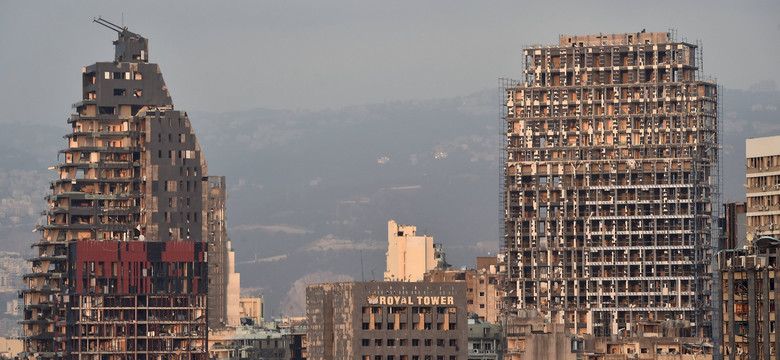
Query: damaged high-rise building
(121, 270)
(611, 184)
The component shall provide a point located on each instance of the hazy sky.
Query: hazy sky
(218, 56)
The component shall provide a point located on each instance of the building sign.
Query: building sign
(410, 300)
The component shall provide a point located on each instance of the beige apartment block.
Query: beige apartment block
(611, 183)
(763, 186)
(409, 255)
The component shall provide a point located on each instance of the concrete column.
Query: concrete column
(765, 340)
(752, 313)
(730, 309)
(777, 307)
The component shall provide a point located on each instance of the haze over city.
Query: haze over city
(316, 94)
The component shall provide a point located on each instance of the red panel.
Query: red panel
(179, 251)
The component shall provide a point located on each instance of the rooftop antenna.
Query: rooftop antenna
(109, 24)
(362, 276)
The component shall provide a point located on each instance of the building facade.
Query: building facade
(121, 270)
(751, 296)
(255, 342)
(409, 255)
(219, 273)
(483, 290)
(386, 321)
(609, 181)
(763, 186)
(252, 310)
(486, 341)
(734, 226)
(533, 338)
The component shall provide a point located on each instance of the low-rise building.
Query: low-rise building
(535, 337)
(255, 342)
(486, 340)
(387, 321)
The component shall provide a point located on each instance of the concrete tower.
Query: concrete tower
(121, 270)
(609, 181)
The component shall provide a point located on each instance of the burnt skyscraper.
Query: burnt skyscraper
(610, 183)
(121, 269)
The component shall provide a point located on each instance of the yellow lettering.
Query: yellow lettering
(450, 300)
(403, 301)
(382, 300)
(444, 300)
(396, 298)
(435, 300)
(419, 300)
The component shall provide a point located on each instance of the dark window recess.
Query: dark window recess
(106, 110)
(120, 92)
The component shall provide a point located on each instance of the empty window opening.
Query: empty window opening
(120, 92)
(106, 110)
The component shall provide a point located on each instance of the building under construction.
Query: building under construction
(610, 183)
(121, 270)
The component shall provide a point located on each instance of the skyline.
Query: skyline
(460, 54)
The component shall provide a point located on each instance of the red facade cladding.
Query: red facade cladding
(179, 252)
(132, 261)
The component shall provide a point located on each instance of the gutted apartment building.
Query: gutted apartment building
(609, 181)
(121, 269)
(751, 297)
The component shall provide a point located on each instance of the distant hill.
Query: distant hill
(310, 193)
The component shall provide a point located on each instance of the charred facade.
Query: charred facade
(121, 270)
